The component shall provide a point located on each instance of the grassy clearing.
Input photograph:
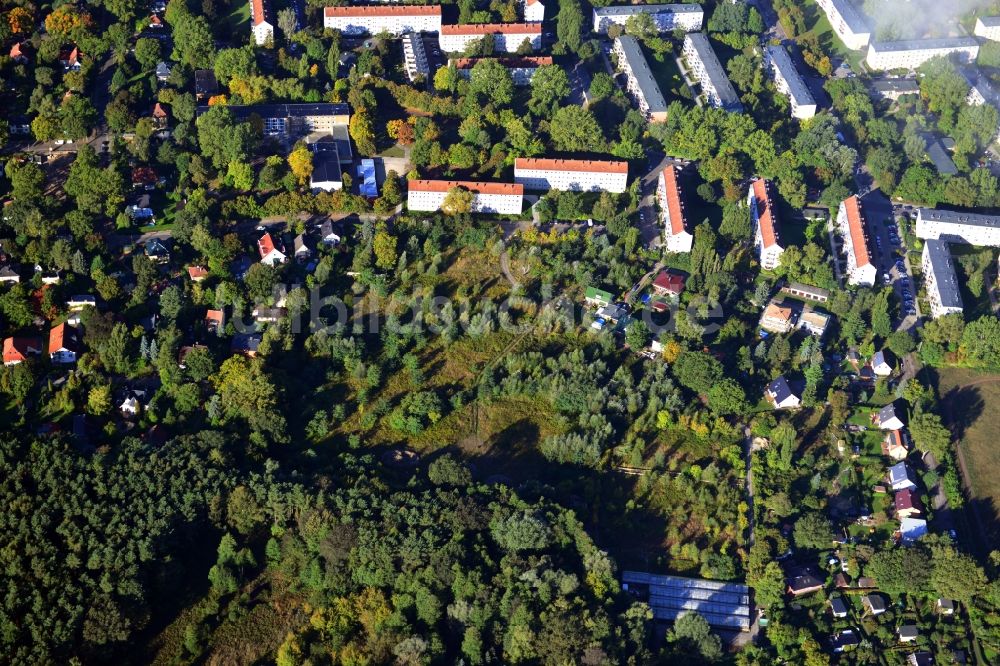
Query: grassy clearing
(828, 38)
(971, 406)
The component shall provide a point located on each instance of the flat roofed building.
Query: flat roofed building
(910, 54)
(853, 226)
(522, 68)
(790, 83)
(676, 236)
(725, 605)
(667, 18)
(260, 21)
(507, 37)
(766, 228)
(285, 120)
(849, 24)
(705, 67)
(572, 175)
(639, 80)
(327, 174)
(414, 57)
(501, 198)
(373, 19)
(940, 279)
(988, 27)
(806, 292)
(958, 227)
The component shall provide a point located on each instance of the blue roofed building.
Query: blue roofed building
(724, 605)
(367, 186)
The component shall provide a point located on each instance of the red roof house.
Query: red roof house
(17, 350)
(668, 283)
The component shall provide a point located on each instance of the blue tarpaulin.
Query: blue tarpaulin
(367, 186)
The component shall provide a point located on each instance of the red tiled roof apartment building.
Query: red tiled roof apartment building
(571, 175)
(373, 19)
(499, 198)
(676, 237)
(766, 226)
(507, 37)
(521, 68)
(260, 21)
(853, 227)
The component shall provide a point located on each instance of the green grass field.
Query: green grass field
(970, 403)
(828, 39)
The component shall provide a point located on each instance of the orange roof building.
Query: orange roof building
(676, 236)
(17, 350)
(269, 253)
(853, 226)
(260, 22)
(507, 37)
(571, 175)
(373, 19)
(765, 222)
(197, 273)
(499, 198)
(64, 343)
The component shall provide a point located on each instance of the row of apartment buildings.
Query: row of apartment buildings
(988, 27)
(910, 54)
(847, 22)
(940, 229)
(853, 227)
(676, 235)
(766, 224)
(789, 82)
(686, 17)
(704, 65)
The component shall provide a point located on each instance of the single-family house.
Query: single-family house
(613, 313)
(803, 580)
(327, 235)
(845, 640)
(814, 322)
(301, 249)
(269, 254)
(64, 344)
(668, 283)
(908, 633)
(17, 350)
(899, 477)
(837, 607)
(841, 581)
(781, 395)
(133, 401)
(924, 658)
(155, 22)
(163, 71)
(907, 504)
(197, 273)
(596, 298)
(895, 445)
(69, 58)
(890, 417)
(874, 603)
(882, 364)
(19, 53)
(157, 251)
(777, 318)
(81, 301)
(215, 321)
(265, 315)
(161, 117)
(8, 275)
(945, 606)
(911, 529)
(246, 344)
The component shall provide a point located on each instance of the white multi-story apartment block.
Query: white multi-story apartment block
(500, 198)
(414, 56)
(958, 227)
(940, 279)
(289, 120)
(521, 68)
(981, 91)
(571, 175)
(666, 17)
(533, 11)
(853, 226)
(676, 237)
(764, 219)
(706, 68)
(847, 22)
(260, 24)
(507, 37)
(373, 19)
(911, 54)
(988, 27)
(639, 80)
(789, 82)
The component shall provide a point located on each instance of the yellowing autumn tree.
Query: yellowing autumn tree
(19, 19)
(64, 20)
(457, 201)
(384, 245)
(363, 132)
(301, 164)
(401, 131)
